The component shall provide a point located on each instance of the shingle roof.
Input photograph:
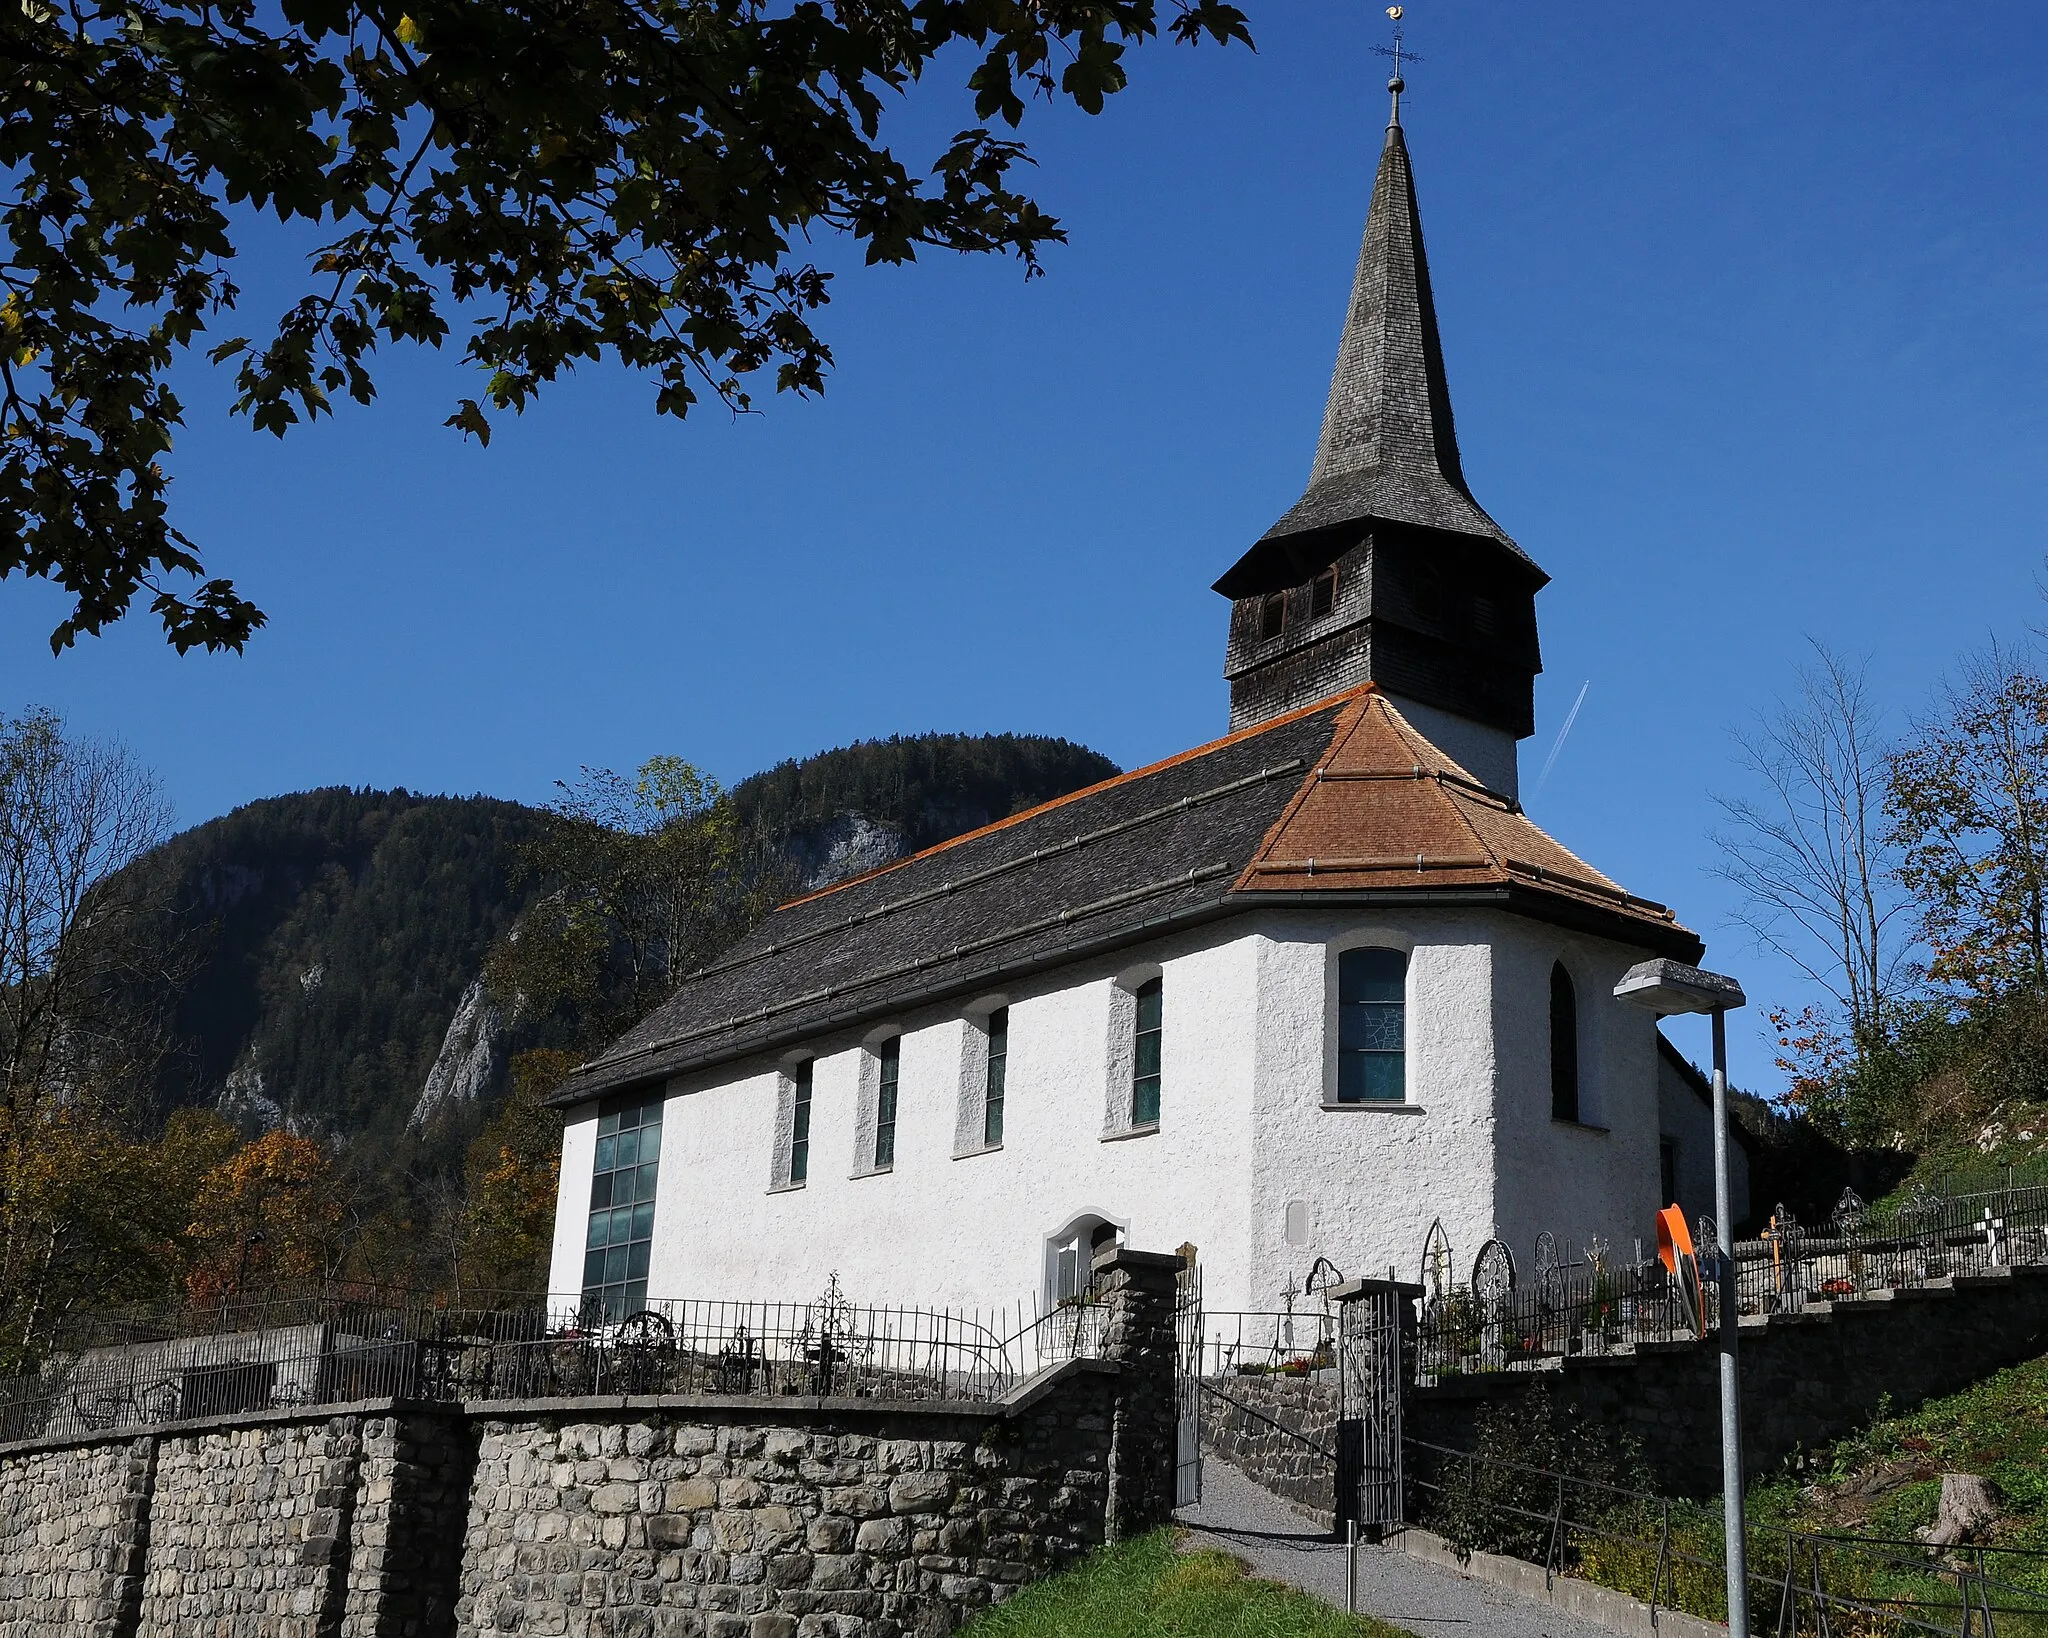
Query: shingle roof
(1389, 448)
(1384, 807)
(1199, 836)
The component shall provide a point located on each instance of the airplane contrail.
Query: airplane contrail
(1571, 717)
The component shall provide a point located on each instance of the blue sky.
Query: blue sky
(1745, 310)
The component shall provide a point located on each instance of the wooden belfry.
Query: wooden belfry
(1387, 570)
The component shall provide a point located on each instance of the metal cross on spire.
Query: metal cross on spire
(1400, 54)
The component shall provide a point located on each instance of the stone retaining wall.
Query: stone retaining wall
(706, 1517)
(1279, 1431)
(1807, 1378)
(703, 1525)
(70, 1521)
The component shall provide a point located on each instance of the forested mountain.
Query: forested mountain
(841, 812)
(338, 931)
(342, 932)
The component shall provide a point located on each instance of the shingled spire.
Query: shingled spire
(1431, 598)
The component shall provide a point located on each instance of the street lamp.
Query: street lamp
(1667, 987)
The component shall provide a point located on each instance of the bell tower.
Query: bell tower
(1387, 570)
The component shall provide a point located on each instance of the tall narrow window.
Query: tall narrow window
(1372, 1026)
(1564, 1046)
(890, 1053)
(1272, 616)
(800, 1122)
(621, 1233)
(1667, 1171)
(1145, 1055)
(1322, 593)
(998, 1064)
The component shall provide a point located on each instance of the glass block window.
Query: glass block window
(1372, 1026)
(621, 1233)
(1564, 1046)
(998, 1065)
(890, 1054)
(800, 1122)
(1145, 1055)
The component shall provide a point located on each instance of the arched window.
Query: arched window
(1564, 1046)
(1372, 1026)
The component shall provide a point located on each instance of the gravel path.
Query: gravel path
(1284, 1545)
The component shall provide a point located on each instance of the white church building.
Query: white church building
(1292, 995)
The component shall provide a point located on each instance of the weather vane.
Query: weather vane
(1400, 54)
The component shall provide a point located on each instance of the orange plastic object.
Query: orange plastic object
(1674, 1239)
(1675, 1252)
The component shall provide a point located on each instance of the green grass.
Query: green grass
(1147, 1589)
(1886, 1480)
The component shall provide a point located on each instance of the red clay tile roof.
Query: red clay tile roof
(1384, 808)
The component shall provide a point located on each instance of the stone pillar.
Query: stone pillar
(128, 1545)
(1141, 1287)
(325, 1546)
(406, 1535)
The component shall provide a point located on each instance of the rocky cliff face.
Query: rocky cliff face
(466, 1069)
(841, 848)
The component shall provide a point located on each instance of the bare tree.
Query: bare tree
(89, 956)
(1811, 854)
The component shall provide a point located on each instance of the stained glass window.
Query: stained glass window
(891, 1055)
(998, 1067)
(1145, 1055)
(800, 1123)
(1372, 1026)
(620, 1237)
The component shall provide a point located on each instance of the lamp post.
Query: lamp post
(1666, 987)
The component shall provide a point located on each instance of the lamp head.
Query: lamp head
(1666, 987)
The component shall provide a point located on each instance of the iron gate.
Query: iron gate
(1260, 1392)
(1371, 1326)
(1187, 1388)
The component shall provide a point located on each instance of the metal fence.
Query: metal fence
(1503, 1317)
(1670, 1554)
(1290, 1343)
(323, 1349)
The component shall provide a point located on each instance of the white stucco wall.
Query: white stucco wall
(1370, 1177)
(1245, 1127)
(572, 1199)
(1598, 1177)
(1688, 1121)
(936, 1229)
(1488, 754)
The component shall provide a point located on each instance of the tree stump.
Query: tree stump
(1970, 1504)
